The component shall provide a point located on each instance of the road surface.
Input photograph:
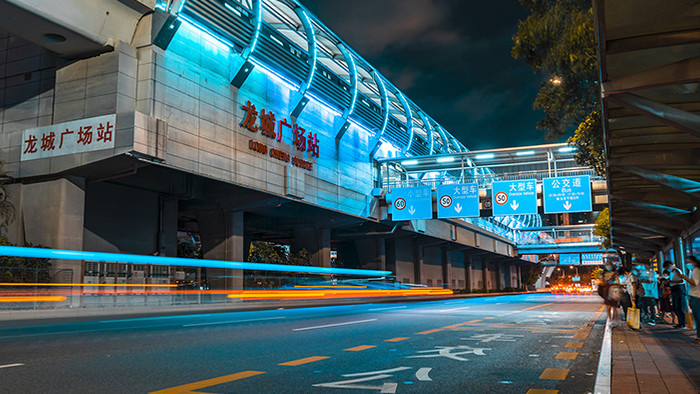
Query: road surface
(504, 344)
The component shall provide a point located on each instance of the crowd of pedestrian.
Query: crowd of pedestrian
(666, 298)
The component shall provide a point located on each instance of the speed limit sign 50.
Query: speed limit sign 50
(501, 198)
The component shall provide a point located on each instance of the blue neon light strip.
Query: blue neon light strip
(41, 253)
(213, 37)
(385, 103)
(258, 26)
(409, 120)
(353, 69)
(313, 50)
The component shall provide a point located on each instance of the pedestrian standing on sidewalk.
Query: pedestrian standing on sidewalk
(629, 289)
(665, 306)
(677, 293)
(649, 282)
(609, 280)
(694, 294)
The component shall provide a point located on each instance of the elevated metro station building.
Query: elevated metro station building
(126, 124)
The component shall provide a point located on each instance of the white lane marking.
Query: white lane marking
(385, 309)
(350, 375)
(453, 309)
(231, 321)
(422, 374)
(334, 325)
(11, 365)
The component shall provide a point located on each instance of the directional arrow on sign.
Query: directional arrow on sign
(458, 208)
(411, 210)
(567, 205)
(514, 205)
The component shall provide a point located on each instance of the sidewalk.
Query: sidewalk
(655, 359)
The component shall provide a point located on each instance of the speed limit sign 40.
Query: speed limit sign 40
(501, 198)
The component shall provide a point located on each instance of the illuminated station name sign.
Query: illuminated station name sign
(273, 129)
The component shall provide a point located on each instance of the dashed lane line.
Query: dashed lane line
(397, 339)
(190, 387)
(11, 365)
(359, 348)
(554, 374)
(232, 321)
(574, 344)
(541, 391)
(303, 361)
(334, 325)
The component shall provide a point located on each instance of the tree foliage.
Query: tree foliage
(602, 228)
(558, 39)
(23, 269)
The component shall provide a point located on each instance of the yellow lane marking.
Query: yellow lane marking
(443, 328)
(554, 374)
(581, 335)
(567, 355)
(306, 360)
(188, 388)
(574, 344)
(397, 339)
(472, 321)
(359, 348)
(533, 307)
(540, 391)
(486, 318)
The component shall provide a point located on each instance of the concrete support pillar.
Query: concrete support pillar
(53, 215)
(499, 276)
(485, 273)
(390, 257)
(467, 271)
(167, 232)
(446, 268)
(222, 238)
(418, 271)
(317, 241)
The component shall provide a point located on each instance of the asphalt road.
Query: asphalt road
(504, 344)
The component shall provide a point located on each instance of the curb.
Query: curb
(604, 378)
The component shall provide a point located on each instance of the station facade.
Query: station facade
(166, 126)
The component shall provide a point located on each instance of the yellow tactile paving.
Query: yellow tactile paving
(574, 344)
(301, 361)
(541, 391)
(567, 355)
(554, 374)
(359, 348)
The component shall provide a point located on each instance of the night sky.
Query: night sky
(451, 57)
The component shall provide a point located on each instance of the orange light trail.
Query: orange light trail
(33, 299)
(87, 284)
(339, 293)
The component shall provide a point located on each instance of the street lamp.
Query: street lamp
(555, 80)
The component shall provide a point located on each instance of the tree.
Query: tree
(7, 210)
(24, 269)
(558, 39)
(602, 228)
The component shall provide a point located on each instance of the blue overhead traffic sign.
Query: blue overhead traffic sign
(569, 259)
(567, 194)
(410, 203)
(514, 197)
(458, 200)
